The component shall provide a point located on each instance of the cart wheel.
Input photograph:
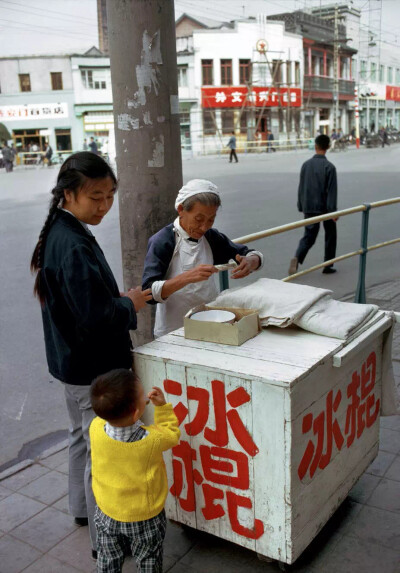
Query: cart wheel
(284, 566)
(265, 558)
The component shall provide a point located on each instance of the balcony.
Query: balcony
(324, 84)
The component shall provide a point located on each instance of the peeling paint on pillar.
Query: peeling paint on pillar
(158, 152)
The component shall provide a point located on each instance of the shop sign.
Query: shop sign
(237, 97)
(393, 93)
(33, 111)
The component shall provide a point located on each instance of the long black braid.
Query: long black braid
(73, 174)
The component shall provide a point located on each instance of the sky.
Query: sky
(29, 27)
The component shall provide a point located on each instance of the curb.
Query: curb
(12, 470)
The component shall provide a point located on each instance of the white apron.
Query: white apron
(187, 255)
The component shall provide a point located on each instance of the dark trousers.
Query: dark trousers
(233, 154)
(310, 235)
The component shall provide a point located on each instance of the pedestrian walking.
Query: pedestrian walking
(317, 195)
(86, 320)
(85, 145)
(270, 140)
(180, 259)
(93, 146)
(384, 136)
(8, 157)
(232, 145)
(129, 475)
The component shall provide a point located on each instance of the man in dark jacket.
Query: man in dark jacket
(317, 195)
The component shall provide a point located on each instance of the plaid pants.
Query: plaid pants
(142, 539)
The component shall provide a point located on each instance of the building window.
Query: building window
(63, 140)
(208, 122)
(289, 73)
(207, 72)
(226, 72)
(321, 66)
(25, 82)
(244, 71)
(373, 72)
(56, 80)
(382, 74)
(95, 79)
(227, 121)
(297, 73)
(363, 70)
(397, 76)
(182, 76)
(390, 75)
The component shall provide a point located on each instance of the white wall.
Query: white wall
(87, 95)
(39, 69)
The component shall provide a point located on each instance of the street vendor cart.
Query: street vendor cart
(274, 433)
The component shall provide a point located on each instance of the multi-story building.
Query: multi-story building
(320, 93)
(59, 99)
(244, 77)
(376, 65)
(37, 101)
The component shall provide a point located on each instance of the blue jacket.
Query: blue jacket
(86, 322)
(161, 247)
(317, 191)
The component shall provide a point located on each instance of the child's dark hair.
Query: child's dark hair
(74, 172)
(114, 394)
(322, 142)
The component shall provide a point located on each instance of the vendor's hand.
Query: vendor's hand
(156, 396)
(246, 266)
(139, 297)
(199, 273)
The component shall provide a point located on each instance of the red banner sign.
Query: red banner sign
(392, 93)
(229, 96)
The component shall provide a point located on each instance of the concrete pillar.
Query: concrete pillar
(146, 112)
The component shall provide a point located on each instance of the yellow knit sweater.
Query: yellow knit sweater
(129, 479)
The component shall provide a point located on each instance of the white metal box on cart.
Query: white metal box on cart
(274, 433)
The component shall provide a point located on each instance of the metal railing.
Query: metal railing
(361, 252)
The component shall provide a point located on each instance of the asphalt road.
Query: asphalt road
(257, 193)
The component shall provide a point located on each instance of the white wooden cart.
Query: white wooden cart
(274, 433)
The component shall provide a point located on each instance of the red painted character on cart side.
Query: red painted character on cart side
(221, 466)
(362, 411)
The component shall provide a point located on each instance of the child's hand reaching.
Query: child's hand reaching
(156, 396)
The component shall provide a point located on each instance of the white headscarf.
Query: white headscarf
(194, 187)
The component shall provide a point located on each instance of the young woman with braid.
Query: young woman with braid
(86, 319)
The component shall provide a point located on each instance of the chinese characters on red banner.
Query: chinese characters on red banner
(362, 412)
(229, 97)
(221, 466)
(393, 93)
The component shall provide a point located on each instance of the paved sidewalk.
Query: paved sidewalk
(38, 536)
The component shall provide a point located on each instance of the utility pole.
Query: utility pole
(147, 131)
(336, 71)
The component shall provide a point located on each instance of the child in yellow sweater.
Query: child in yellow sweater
(129, 478)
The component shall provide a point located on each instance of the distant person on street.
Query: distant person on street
(47, 155)
(93, 146)
(86, 319)
(8, 157)
(270, 142)
(384, 136)
(232, 145)
(85, 145)
(130, 482)
(317, 195)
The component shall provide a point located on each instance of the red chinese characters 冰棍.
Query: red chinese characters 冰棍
(362, 409)
(222, 467)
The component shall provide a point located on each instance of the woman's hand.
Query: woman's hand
(139, 297)
(156, 396)
(246, 266)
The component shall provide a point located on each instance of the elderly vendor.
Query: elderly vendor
(179, 264)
